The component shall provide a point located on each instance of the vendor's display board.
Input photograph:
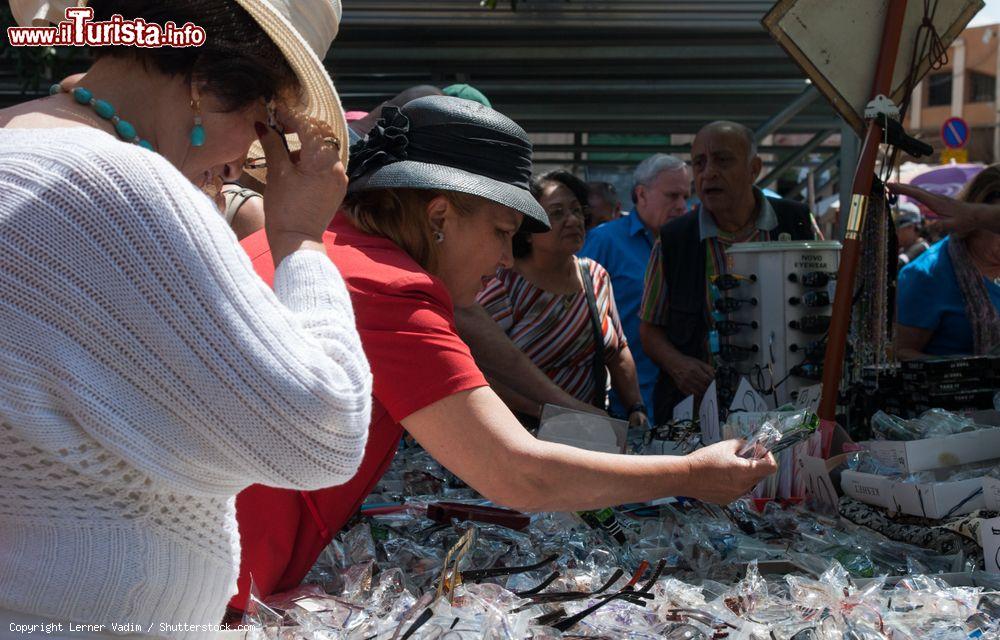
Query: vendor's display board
(837, 49)
(776, 310)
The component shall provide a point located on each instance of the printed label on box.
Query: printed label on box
(867, 488)
(890, 454)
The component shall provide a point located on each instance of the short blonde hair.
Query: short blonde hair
(400, 215)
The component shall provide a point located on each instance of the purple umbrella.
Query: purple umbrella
(947, 180)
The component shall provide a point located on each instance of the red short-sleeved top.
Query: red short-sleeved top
(405, 317)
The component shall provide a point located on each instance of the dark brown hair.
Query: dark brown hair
(520, 244)
(238, 62)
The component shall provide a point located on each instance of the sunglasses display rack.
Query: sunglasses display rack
(776, 301)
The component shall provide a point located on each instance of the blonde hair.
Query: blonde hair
(400, 215)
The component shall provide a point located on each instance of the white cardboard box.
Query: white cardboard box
(937, 499)
(937, 453)
(867, 487)
(929, 500)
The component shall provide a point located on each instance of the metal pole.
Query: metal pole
(781, 118)
(794, 157)
(818, 170)
(833, 363)
(849, 151)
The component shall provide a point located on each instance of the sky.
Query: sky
(990, 14)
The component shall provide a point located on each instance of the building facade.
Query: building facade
(966, 87)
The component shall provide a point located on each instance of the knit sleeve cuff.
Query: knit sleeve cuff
(306, 280)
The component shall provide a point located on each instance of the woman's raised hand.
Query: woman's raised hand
(304, 188)
(955, 216)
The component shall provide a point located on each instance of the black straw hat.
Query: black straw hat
(449, 144)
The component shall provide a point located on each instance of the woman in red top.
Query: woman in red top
(437, 191)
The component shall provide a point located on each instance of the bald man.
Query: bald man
(677, 314)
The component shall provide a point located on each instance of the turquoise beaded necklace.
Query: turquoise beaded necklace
(104, 109)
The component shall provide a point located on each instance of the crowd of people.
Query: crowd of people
(177, 416)
(197, 391)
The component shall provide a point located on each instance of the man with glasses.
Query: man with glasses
(678, 315)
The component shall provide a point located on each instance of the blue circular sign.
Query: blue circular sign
(955, 133)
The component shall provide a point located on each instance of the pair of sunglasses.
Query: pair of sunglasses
(729, 281)
(628, 593)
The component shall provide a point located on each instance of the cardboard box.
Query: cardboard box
(948, 389)
(949, 364)
(971, 399)
(937, 453)
(922, 377)
(933, 500)
(937, 499)
(868, 488)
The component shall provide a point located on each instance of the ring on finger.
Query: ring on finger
(332, 141)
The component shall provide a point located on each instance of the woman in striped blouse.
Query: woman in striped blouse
(544, 306)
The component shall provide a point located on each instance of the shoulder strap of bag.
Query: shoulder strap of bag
(600, 371)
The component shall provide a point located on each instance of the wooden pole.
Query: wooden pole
(833, 363)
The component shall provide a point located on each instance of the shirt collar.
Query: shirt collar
(767, 219)
(635, 225)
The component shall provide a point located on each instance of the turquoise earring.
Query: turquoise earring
(197, 131)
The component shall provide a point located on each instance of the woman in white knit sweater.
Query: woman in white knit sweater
(147, 375)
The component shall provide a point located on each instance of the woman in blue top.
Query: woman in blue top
(949, 297)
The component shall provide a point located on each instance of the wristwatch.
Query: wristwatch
(638, 406)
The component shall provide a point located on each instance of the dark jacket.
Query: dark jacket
(685, 280)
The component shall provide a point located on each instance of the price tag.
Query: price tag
(817, 483)
(747, 399)
(684, 410)
(708, 416)
(809, 398)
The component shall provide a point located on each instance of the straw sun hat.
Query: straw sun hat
(302, 31)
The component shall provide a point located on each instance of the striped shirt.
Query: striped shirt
(555, 330)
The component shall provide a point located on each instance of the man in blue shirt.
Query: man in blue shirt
(622, 247)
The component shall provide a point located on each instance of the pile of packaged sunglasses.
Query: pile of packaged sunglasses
(677, 570)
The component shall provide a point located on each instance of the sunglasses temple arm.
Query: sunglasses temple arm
(479, 574)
